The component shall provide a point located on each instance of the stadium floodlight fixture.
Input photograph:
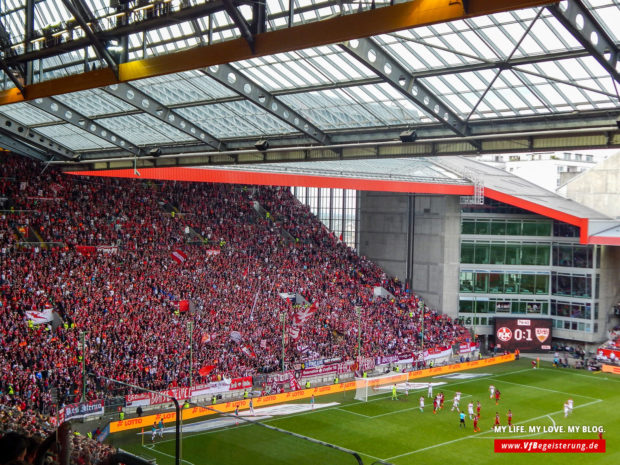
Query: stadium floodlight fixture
(155, 152)
(262, 145)
(408, 135)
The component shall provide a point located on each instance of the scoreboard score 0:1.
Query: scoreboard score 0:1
(525, 334)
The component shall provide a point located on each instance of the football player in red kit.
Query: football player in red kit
(509, 415)
(497, 423)
(497, 394)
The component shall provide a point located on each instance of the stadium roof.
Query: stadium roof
(88, 80)
(449, 175)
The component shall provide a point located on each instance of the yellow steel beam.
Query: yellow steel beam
(329, 31)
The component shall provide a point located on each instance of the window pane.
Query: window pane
(542, 254)
(497, 253)
(513, 228)
(543, 228)
(466, 306)
(529, 228)
(542, 284)
(498, 228)
(511, 284)
(466, 281)
(482, 282)
(468, 227)
(482, 227)
(528, 254)
(467, 252)
(564, 285)
(496, 283)
(482, 306)
(482, 253)
(528, 283)
(513, 252)
(580, 255)
(565, 255)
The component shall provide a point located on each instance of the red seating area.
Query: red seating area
(124, 301)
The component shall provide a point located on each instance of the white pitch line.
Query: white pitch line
(152, 449)
(479, 434)
(549, 390)
(376, 399)
(552, 420)
(591, 378)
(353, 413)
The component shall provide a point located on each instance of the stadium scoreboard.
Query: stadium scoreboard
(525, 334)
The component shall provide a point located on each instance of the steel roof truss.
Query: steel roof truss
(374, 57)
(583, 26)
(43, 144)
(71, 116)
(230, 77)
(144, 102)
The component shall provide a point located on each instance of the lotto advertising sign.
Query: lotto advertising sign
(525, 334)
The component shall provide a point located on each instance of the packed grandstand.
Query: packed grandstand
(122, 261)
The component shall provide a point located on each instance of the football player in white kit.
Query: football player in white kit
(430, 390)
(422, 404)
(570, 405)
(492, 391)
(470, 410)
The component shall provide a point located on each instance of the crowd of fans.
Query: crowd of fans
(23, 434)
(236, 264)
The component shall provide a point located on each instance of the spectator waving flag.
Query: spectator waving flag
(247, 350)
(178, 256)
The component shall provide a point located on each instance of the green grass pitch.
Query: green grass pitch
(397, 432)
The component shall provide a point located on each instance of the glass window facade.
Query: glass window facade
(337, 209)
(506, 253)
(573, 255)
(571, 285)
(515, 263)
(499, 282)
(506, 227)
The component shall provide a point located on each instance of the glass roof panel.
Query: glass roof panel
(187, 87)
(256, 116)
(321, 65)
(27, 114)
(220, 120)
(607, 14)
(94, 102)
(362, 106)
(144, 129)
(73, 137)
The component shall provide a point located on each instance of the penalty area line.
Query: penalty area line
(152, 449)
(479, 435)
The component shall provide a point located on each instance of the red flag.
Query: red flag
(341, 237)
(183, 305)
(246, 271)
(178, 256)
(205, 370)
(292, 382)
(247, 350)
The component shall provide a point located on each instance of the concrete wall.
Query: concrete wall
(436, 252)
(383, 233)
(416, 236)
(598, 188)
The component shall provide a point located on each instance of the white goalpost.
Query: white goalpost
(366, 387)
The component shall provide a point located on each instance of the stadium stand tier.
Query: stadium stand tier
(117, 259)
